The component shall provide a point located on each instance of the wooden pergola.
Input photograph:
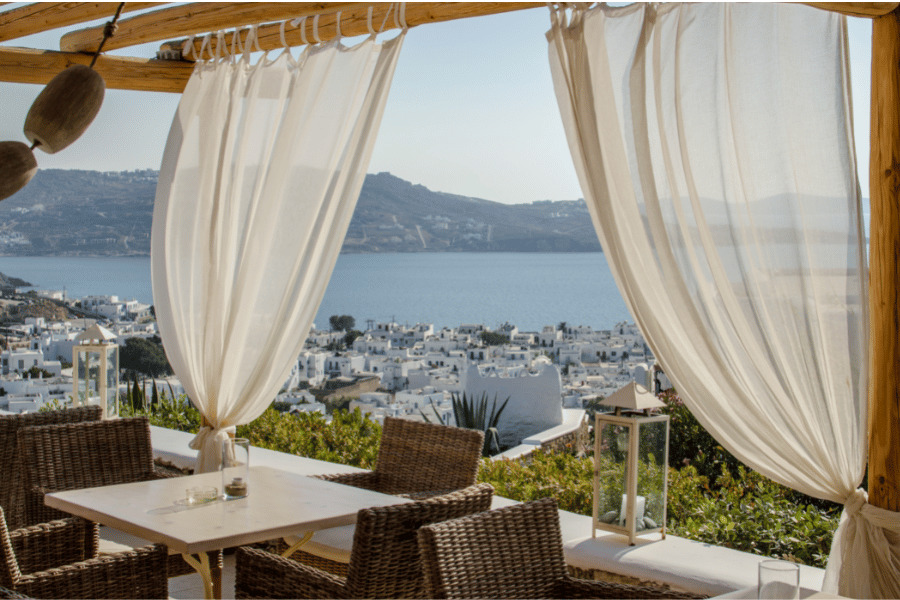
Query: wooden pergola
(166, 23)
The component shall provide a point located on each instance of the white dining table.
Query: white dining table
(279, 504)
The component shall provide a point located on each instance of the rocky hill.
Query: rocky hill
(71, 213)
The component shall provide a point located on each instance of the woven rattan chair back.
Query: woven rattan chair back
(384, 562)
(512, 552)
(82, 455)
(12, 494)
(423, 457)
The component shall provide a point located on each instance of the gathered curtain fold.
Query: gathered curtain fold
(714, 147)
(260, 177)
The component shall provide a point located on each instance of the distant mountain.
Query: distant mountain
(71, 213)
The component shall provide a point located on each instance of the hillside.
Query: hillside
(89, 213)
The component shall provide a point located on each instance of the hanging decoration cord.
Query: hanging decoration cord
(109, 30)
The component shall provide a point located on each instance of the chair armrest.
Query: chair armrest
(425, 495)
(160, 474)
(260, 574)
(48, 545)
(138, 573)
(368, 480)
(572, 587)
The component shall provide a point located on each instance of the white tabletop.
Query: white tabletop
(750, 593)
(279, 504)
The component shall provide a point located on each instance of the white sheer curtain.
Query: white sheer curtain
(714, 147)
(261, 173)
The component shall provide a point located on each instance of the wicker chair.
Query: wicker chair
(511, 552)
(420, 459)
(384, 562)
(415, 460)
(81, 455)
(12, 494)
(48, 561)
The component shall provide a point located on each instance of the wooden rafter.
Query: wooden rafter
(24, 65)
(45, 16)
(857, 9)
(190, 19)
(354, 21)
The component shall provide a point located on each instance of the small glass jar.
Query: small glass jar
(235, 468)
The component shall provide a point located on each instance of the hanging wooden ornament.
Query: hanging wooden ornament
(65, 108)
(17, 167)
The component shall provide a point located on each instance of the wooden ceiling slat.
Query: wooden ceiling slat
(857, 9)
(25, 65)
(44, 16)
(354, 21)
(191, 19)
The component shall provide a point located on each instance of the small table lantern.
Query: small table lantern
(95, 370)
(631, 456)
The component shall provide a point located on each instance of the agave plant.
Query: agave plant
(472, 413)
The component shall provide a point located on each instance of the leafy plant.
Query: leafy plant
(473, 414)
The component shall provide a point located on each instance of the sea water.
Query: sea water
(529, 290)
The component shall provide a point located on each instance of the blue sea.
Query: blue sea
(447, 289)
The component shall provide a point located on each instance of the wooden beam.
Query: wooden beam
(857, 9)
(24, 65)
(190, 19)
(44, 16)
(354, 21)
(884, 266)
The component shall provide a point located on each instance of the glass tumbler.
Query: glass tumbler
(778, 579)
(235, 468)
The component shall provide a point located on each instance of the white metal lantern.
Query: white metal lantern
(631, 456)
(95, 370)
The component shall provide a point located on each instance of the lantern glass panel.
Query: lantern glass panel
(651, 472)
(112, 381)
(88, 370)
(612, 471)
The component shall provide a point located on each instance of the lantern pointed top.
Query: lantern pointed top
(95, 333)
(633, 397)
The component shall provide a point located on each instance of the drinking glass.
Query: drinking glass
(235, 468)
(778, 579)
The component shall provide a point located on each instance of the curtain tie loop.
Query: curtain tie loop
(855, 501)
(208, 442)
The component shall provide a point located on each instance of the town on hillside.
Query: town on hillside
(386, 369)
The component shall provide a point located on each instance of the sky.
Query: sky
(471, 111)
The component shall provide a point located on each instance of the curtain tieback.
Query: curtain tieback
(208, 442)
(857, 503)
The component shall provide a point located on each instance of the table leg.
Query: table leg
(211, 576)
(296, 546)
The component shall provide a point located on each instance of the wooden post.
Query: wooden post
(884, 265)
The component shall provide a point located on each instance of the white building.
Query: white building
(535, 399)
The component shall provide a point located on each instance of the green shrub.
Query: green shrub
(746, 512)
(352, 438)
(750, 513)
(562, 476)
(691, 444)
(170, 412)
